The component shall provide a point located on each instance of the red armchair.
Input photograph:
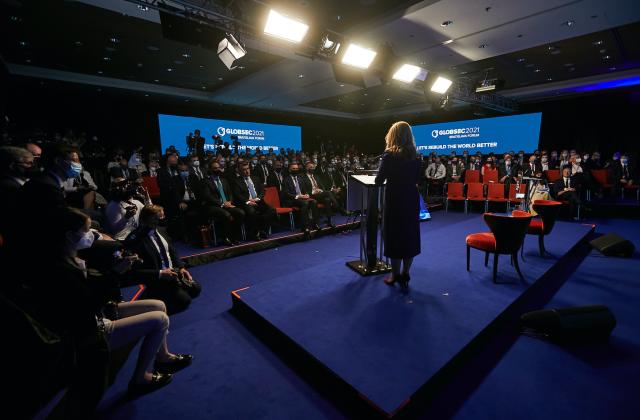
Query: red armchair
(506, 236)
(548, 211)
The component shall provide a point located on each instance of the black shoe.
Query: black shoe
(227, 242)
(158, 380)
(315, 226)
(257, 237)
(404, 280)
(330, 224)
(264, 234)
(307, 233)
(180, 362)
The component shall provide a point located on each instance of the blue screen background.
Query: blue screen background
(498, 135)
(174, 129)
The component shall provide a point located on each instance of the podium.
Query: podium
(371, 197)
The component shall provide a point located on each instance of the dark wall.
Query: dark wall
(130, 119)
(606, 120)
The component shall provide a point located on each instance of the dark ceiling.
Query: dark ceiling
(596, 53)
(600, 52)
(79, 38)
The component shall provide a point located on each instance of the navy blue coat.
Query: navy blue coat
(401, 205)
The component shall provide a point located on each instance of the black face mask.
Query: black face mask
(310, 171)
(294, 171)
(217, 172)
(277, 169)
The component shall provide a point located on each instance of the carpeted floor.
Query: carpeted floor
(235, 375)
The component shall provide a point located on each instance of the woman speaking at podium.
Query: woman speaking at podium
(401, 229)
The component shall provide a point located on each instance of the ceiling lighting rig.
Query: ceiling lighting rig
(283, 28)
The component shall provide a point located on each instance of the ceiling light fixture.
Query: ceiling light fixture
(447, 42)
(408, 73)
(230, 51)
(441, 85)
(358, 56)
(569, 23)
(284, 27)
(483, 45)
(446, 23)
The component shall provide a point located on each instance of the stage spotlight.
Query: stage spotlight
(408, 73)
(358, 56)
(441, 85)
(329, 46)
(230, 50)
(285, 27)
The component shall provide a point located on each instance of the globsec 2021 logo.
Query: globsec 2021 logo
(457, 133)
(241, 133)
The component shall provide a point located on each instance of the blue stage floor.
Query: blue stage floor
(387, 344)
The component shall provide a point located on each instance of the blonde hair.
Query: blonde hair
(399, 140)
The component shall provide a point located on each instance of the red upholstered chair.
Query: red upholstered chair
(475, 193)
(272, 198)
(454, 193)
(506, 236)
(495, 194)
(601, 176)
(512, 193)
(151, 184)
(490, 176)
(471, 175)
(631, 188)
(548, 211)
(552, 175)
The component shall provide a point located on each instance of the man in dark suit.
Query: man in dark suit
(195, 170)
(276, 177)
(123, 171)
(178, 197)
(532, 167)
(455, 170)
(508, 172)
(321, 193)
(248, 193)
(567, 189)
(294, 195)
(623, 172)
(262, 170)
(215, 198)
(198, 143)
(161, 269)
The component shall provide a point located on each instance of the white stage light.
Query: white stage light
(408, 73)
(441, 85)
(285, 27)
(230, 50)
(358, 56)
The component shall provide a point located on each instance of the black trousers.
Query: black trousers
(175, 298)
(228, 220)
(330, 202)
(259, 217)
(305, 206)
(573, 197)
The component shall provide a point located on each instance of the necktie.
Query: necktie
(125, 173)
(566, 182)
(252, 189)
(532, 168)
(265, 173)
(295, 184)
(220, 189)
(198, 173)
(279, 180)
(626, 171)
(163, 251)
(508, 169)
(314, 184)
(188, 190)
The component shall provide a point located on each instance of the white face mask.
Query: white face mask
(196, 163)
(85, 241)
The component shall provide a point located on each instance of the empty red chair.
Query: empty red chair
(506, 237)
(454, 193)
(490, 176)
(272, 198)
(552, 175)
(151, 184)
(495, 194)
(601, 176)
(475, 193)
(548, 211)
(471, 175)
